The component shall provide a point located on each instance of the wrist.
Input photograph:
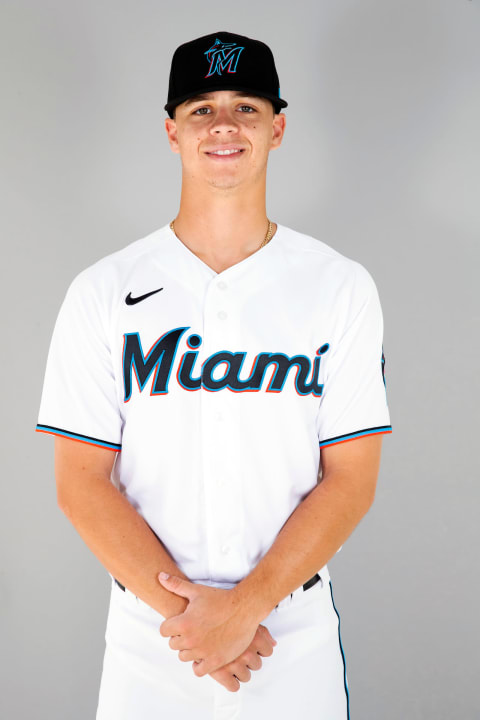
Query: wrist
(252, 600)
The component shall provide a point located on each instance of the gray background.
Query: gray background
(380, 160)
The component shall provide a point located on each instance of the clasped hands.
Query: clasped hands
(217, 632)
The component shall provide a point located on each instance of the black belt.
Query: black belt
(306, 585)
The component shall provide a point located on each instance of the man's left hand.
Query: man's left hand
(214, 629)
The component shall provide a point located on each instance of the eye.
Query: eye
(197, 111)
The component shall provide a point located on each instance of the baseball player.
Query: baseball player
(217, 394)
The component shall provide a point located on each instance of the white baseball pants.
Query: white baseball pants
(143, 678)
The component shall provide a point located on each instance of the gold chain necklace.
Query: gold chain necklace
(268, 236)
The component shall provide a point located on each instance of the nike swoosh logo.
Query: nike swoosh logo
(133, 301)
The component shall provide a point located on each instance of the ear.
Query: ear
(278, 129)
(171, 130)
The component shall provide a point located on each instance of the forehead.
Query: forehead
(217, 94)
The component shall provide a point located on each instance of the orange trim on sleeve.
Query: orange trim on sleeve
(85, 442)
(380, 432)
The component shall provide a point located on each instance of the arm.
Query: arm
(318, 526)
(126, 545)
(111, 527)
(310, 537)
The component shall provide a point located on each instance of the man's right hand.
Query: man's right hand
(238, 670)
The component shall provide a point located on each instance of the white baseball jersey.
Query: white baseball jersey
(217, 390)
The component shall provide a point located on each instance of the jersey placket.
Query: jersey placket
(219, 441)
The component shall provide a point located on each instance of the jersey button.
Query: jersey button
(222, 285)
(222, 315)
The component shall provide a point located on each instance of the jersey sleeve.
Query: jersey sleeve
(354, 396)
(79, 396)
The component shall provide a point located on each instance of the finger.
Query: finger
(252, 660)
(268, 634)
(241, 671)
(172, 626)
(187, 656)
(262, 645)
(248, 659)
(178, 642)
(204, 667)
(272, 639)
(225, 678)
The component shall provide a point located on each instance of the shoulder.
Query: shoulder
(315, 257)
(107, 276)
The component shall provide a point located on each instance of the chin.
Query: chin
(226, 184)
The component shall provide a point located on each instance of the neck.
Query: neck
(219, 226)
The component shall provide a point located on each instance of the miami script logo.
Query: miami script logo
(162, 360)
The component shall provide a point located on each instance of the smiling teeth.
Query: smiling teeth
(224, 152)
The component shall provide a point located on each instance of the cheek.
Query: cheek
(190, 145)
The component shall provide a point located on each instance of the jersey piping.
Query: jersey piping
(351, 436)
(77, 436)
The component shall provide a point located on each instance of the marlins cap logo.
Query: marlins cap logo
(223, 56)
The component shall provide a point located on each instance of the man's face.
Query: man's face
(225, 118)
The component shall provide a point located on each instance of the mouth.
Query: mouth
(225, 156)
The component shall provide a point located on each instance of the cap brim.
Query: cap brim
(277, 101)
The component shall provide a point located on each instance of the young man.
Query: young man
(217, 396)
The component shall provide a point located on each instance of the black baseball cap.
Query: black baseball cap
(223, 61)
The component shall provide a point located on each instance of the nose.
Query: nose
(224, 121)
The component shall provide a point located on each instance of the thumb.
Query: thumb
(177, 585)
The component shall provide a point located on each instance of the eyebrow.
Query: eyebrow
(208, 96)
